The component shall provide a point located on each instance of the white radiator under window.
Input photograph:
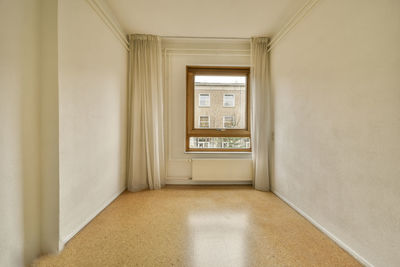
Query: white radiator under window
(222, 170)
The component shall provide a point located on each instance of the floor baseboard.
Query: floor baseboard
(90, 218)
(339, 242)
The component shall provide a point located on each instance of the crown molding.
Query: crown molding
(297, 17)
(104, 13)
(99, 8)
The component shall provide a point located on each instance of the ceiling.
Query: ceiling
(204, 18)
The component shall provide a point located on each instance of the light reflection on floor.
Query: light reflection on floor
(218, 238)
(199, 226)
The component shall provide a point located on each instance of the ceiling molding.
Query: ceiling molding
(207, 52)
(109, 20)
(297, 17)
(208, 19)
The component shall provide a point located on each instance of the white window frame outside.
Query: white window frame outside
(209, 100)
(228, 106)
(208, 120)
(223, 121)
(203, 144)
(248, 144)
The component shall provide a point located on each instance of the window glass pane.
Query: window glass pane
(220, 97)
(204, 122)
(220, 142)
(228, 122)
(229, 100)
(204, 100)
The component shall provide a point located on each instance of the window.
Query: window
(247, 143)
(204, 122)
(219, 143)
(228, 122)
(229, 100)
(204, 100)
(203, 142)
(210, 126)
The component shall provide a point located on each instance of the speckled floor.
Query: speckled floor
(199, 226)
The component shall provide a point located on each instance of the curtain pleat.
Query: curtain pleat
(145, 159)
(260, 113)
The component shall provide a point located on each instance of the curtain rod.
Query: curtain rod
(198, 37)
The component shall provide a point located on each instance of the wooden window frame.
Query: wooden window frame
(191, 131)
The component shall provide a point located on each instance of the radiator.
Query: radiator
(222, 170)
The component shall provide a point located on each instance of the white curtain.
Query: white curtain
(145, 159)
(260, 112)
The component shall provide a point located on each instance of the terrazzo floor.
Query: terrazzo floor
(199, 226)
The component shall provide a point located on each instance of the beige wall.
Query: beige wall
(19, 132)
(91, 73)
(49, 134)
(92, 102)
(336, 85)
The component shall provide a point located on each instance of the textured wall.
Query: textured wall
(336, 90)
